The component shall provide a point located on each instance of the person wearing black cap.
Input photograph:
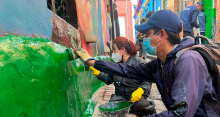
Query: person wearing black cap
(189, 18)
(182, 87)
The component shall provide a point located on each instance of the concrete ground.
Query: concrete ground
(102, 96)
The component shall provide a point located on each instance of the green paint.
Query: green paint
(210, 13)
(37, 79)
(90, 109)
(115, 107)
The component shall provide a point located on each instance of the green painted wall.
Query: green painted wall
(38, 80)
(210, 17)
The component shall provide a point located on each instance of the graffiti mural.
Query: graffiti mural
(92, 17)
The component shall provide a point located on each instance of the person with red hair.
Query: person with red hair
(124, 51)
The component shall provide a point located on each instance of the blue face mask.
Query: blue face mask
(147, 47)
(146, 43)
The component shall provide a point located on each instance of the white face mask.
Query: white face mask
(116, 57)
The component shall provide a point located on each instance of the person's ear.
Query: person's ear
(163, 33)
(123, 50)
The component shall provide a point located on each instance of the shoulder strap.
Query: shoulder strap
(174, 65)
(205, 112)
(180, 53)
(215, 106)
(177, 56)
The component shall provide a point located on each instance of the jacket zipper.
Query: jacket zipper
(162, 73)
(123, 86)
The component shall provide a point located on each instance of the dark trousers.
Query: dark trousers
(140, 107)
(110, 33)
(202, 33)
(186, 33)
(142, 51)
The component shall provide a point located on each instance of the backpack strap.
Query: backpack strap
(177, 56)
(205, 112)
(214, 106)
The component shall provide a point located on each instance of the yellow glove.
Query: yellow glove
(95, 71)
(84, 55)
(136, 95)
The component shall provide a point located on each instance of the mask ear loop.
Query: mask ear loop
(157, 33)
(119, 51)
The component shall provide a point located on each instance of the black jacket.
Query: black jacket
(124, 86)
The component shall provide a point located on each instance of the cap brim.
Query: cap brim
(143, 27)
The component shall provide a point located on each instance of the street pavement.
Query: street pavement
(103, 95)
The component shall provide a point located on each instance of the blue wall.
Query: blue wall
(25, 17)
(158, 5)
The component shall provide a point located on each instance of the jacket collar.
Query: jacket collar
(184, 43)
(131, 56)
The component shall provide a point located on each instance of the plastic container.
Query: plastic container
(115, 109)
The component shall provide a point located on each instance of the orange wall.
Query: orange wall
(217, 5)
(122, 12)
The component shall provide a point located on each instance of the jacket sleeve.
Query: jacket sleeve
(146, 86)
(194, 18)
(143, 72)
(106, 78)
(190, 81)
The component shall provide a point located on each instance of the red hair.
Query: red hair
(128, 45)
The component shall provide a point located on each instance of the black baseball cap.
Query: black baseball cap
(164, 19)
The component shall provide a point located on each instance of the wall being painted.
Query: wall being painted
(33, 18)
(38, 79)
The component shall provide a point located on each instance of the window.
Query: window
(66, 9)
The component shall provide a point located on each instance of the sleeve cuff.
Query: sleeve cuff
(88, 60)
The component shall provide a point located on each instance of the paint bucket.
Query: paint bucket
(115, 109)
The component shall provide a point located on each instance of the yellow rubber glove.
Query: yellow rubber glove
(136, 95)
(84, 55)
(95, 71)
